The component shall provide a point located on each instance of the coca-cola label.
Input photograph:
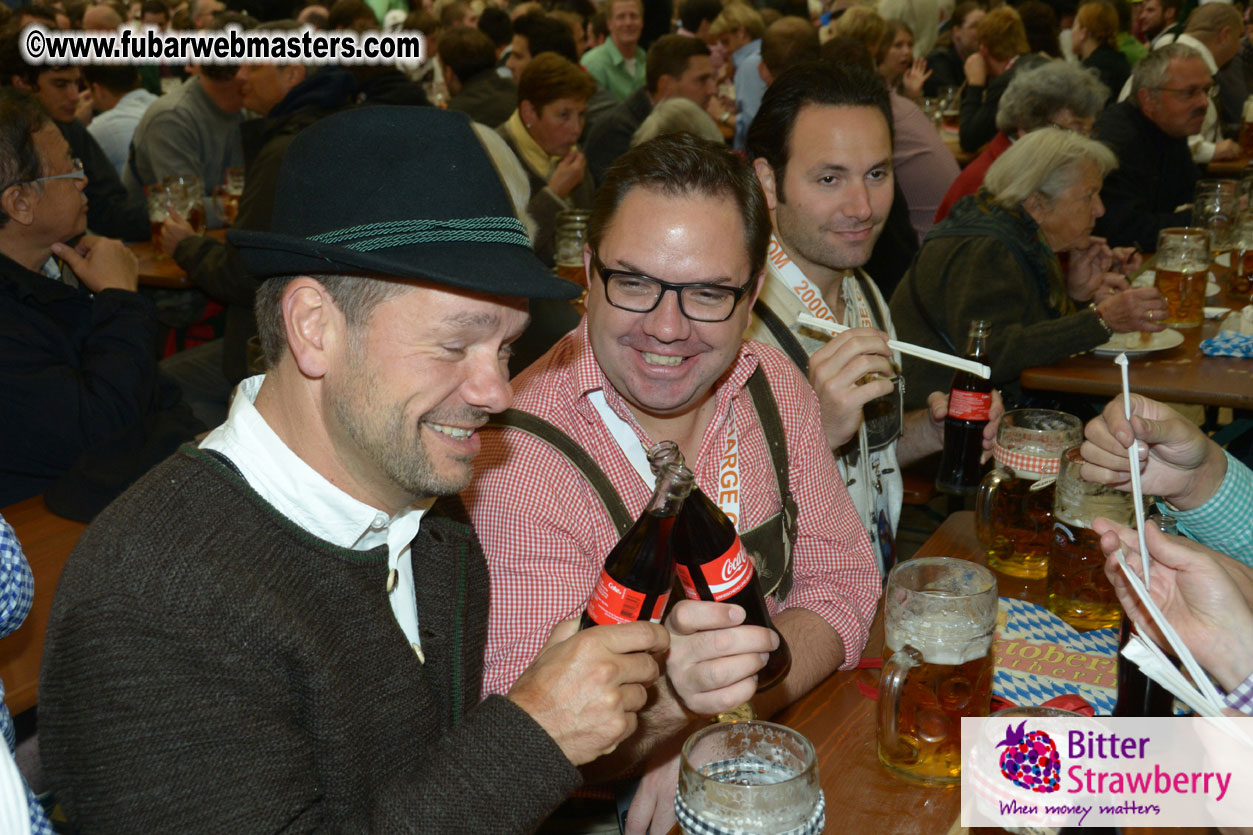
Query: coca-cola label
(725, 575)
(613, 602)
(969, 405)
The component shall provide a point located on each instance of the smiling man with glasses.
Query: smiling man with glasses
(639, 293)
(677, 244)
(1148, 132)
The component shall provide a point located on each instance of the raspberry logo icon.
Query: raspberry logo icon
(1030, 760)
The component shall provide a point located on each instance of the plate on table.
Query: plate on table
(1131, 345)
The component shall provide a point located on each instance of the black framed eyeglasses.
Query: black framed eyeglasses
(641, 294)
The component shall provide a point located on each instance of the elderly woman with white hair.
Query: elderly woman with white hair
(1056, 93)
(995, 257)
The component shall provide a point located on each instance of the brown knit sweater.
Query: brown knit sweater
(212, 667)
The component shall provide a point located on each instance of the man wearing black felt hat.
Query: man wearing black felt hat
(283, 628)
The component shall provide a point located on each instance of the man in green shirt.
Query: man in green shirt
(618, 63)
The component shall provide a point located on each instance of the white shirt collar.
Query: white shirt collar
(305, 496)
(298, 491)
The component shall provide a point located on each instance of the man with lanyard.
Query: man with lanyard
(676, 246)
(822, 148)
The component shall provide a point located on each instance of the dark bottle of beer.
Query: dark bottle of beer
(639, 572)
(712, 565)
(1139, 695)
(969, 403)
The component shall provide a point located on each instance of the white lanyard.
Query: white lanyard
(789, 276)
(781, 269)
(728, 467)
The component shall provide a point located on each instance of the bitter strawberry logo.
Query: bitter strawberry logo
(1030, 760)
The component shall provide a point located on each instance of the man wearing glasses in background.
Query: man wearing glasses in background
(111, 211)
(677, 244)
(84, 409)
(1148, 132)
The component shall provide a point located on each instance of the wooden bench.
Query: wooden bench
(47, 540)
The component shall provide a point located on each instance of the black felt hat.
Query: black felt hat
(397, 191)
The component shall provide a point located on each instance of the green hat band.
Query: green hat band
(481, 230)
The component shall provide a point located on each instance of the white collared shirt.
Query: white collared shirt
(306, 497)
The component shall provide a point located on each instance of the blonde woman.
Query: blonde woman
(1094, 38)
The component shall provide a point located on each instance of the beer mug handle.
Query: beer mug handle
(983, 507)
(895, 670)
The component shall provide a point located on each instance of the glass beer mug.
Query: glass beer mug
(1079, 592)
(570, 236)
(1014, 506)
(187, 198)
(1242, 258)
(939, 619)
(745, 778)
(1181, 267)
(157, 199)
(1215, 204)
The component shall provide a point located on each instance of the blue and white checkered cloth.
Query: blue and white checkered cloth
(1228, 344)
(17, 592)
(1027, 621)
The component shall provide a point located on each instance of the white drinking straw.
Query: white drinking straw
(938, 357)
(1142, 588)
(1172, 637)
(1137, 494)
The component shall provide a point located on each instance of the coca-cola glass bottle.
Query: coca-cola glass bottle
(639, 572)
(969, 406)
(712, 565)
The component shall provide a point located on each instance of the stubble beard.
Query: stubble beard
(390, 441)
(809, 244)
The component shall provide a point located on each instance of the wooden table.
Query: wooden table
(840, 721)
(47, 540)
(155, 271)
(1226, 168)
(1180, 375)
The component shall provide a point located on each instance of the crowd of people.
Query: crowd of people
(337, 556)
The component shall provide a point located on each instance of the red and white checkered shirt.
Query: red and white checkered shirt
(546, 533)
